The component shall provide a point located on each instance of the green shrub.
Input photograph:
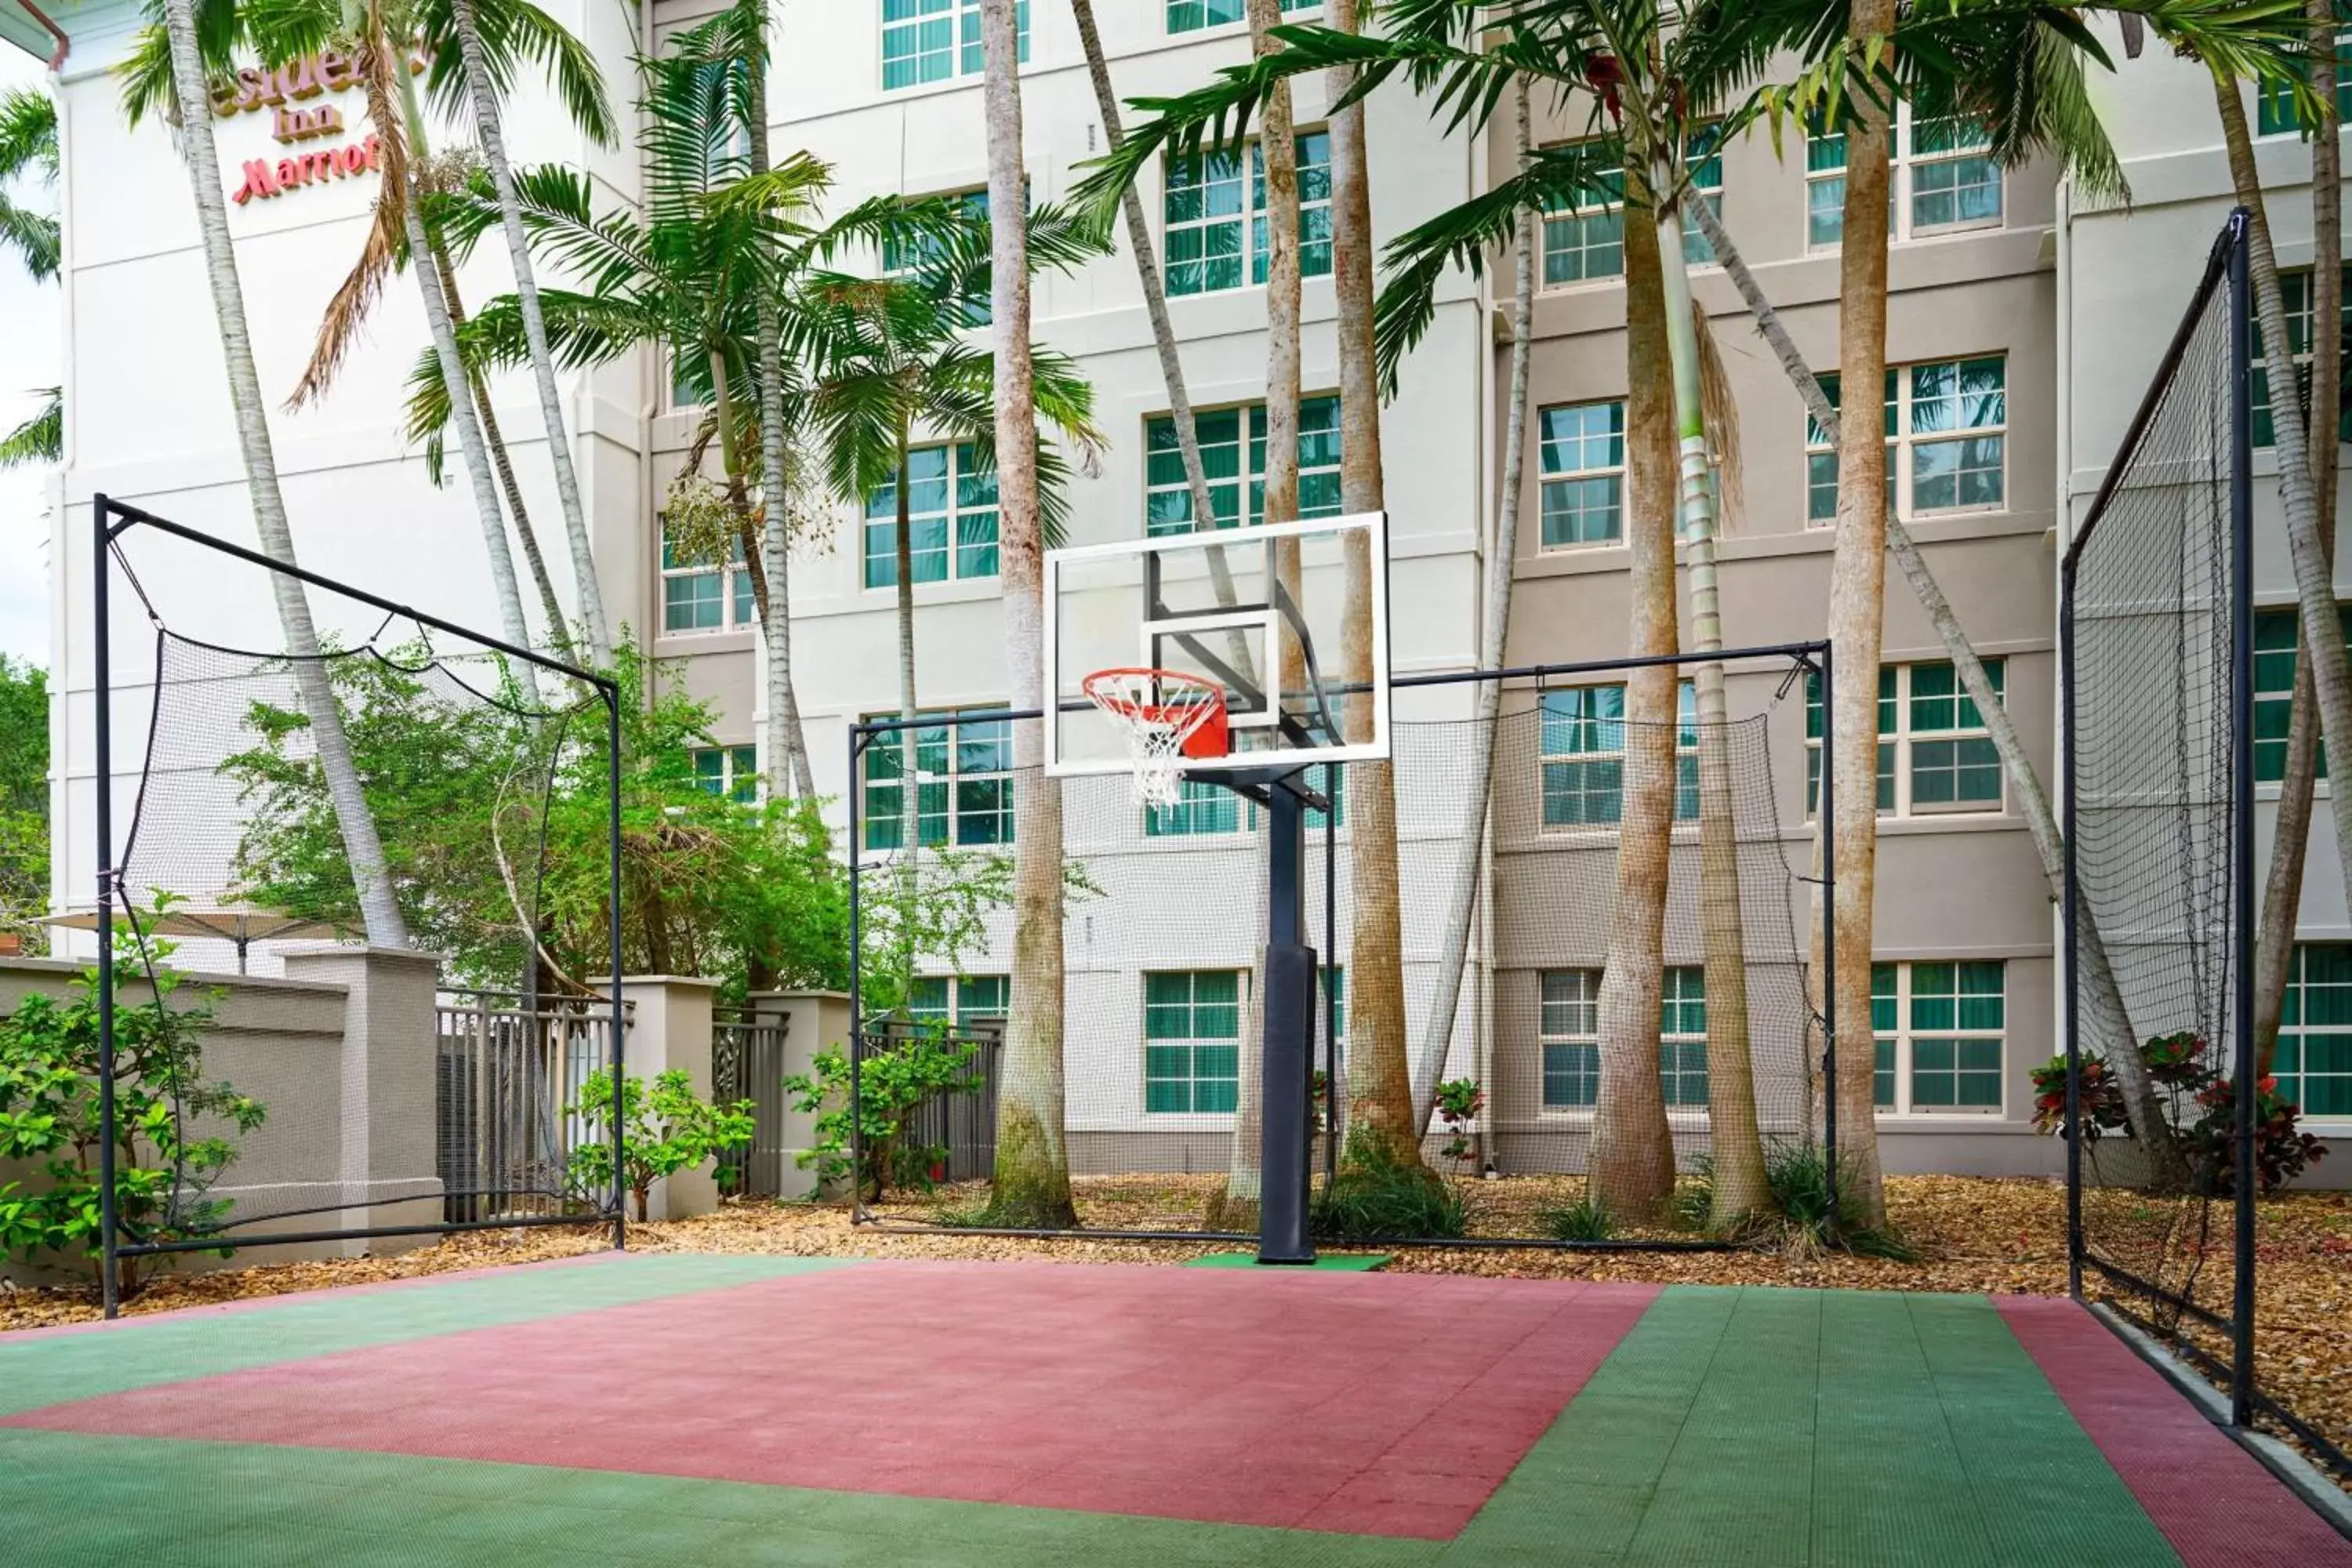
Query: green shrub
(892, 1082)
(663, 1132)
(1375, 1197)
(1583, 1220)
(1799, 1174)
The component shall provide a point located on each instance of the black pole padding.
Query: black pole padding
(1287, 1060)
(109, 1268)
(2242, 805)
(1825, 808)
(617, 1054)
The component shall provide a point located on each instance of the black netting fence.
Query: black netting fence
(276, 1076)
(1701, 1046)
(2162, 1094)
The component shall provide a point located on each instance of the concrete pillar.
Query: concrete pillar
(670, 1030)
(813, 1022)
(389, 1167)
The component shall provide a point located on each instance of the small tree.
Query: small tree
(893, 1083)
(175, 1131)
(664, 1132)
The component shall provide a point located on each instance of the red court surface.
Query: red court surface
(2214, 1502)
(1386, 1405)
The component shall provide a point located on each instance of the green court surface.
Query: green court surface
(1750, 1427)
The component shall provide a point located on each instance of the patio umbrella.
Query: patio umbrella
(243, 926)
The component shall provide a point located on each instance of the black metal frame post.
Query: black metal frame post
(2070, 938)
(1286, 1057)
(1825, 808)
(612, 695)
(2241, 806)
(109, 1258)
(858, 736)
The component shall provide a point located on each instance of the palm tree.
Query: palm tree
(1033, 1160)
(28, 145)
(380, 913)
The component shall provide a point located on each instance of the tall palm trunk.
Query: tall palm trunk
(483, 91)
(1858, 623)
(379, 911)
(1734, 1145)
(789, 770)
(2291, 829)
(909, 792)
(2102, 999)
(1494, 633)
(1381, 1102)
(1632, 1162)
(401, 156)
(1033, 1162)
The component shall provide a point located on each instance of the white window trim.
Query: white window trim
(728, 773)
(1903, 1036)
(954, 776)
(1904, 736)
(1544, 476)
(956, 78)
(1616, 279)
(730, 593)
(1685, 721)
(2325, 1125)
(953, 516)
(1247, 477)
(1900, 165)
(1187, 1120)
(956, 984)
(1904, 443)
(1250, 217)
(1680, 1116)
(1224, 29)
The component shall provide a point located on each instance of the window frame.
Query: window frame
(1904, 442)
(2294, 289)
(1682, 987)
(1897, 1053)
(1702, 149)
(978, 303)
(2295, 1028)
(738, 778)
(1320, 451)
(1685, 755)
(738, 608)
(956, 1012)
(962, 472)
(1548, 477)
(1192, 1041)
(1906, 160)
(951, 782)
(1896, 746)
(966, 50)
(2278, 701)
(1244, 166)
(1239, 19)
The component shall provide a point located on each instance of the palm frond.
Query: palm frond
(347, 312)
(29, 135)
(514, 34)
(41, 438)
(33, 235)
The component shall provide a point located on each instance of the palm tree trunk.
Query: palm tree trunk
(1494, 635)
(2322, 647)
(1734, 1144)
(1630, 1165)
(1858, 623)
(379, 909)
(1382, 1105)
(2103, 997)
(2291, 829)
(789, 770)
(484, 93)
(1033, 1162)
(909, 790)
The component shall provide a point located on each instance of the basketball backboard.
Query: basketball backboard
(1260, 613)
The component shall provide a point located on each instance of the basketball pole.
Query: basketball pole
(1287, 1056)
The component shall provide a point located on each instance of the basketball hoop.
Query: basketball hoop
(1165, 715)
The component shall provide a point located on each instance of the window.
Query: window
(2294, 290)
(1935, 755)
(700, 597)
(1947, 441)
(1192, 16)
(908, 258)
(1585, 240)
(938, 40)
(1569, 1028)
(1938, 1036)
(1681, 1036)
(1583, 756)
(2314, 1062)
(1199, 808)
(1192, 1041)
(1212, 199)
(2275, 111)
(1583, 457)
(2275, 640)
(963, 786)
(1168, 499)
(951, 518)
(963, 998)
(729, 771)
(1943, 180)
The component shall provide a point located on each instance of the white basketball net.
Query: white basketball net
(1157, 713)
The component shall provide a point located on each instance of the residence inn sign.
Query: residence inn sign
(285, 92)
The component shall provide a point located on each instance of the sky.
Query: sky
(31, 355)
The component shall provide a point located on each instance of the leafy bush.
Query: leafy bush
(662, 1133)
(2200, 1102)
(1376, 1196)
(893, 1083)
(1583, 1220)
(50, 1119)
(1799, 1174)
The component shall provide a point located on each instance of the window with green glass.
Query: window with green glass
(1199, 808)
(1822, 458)
(2295, 292)
(1934, 755)
(1584, 237)
(908, 256)
(732, 772)
(699, 597)
(963, 998)
(1681, 1036)
(1940, 1031)
(938, 40)
(2314, 1060)
(2275, 113)
(1583, 756)
(1947, 441)
(1582, 453)
(1568, 1027)
(1703, 156)
(2276, 632)
(1214, 210)
(1192, 1041)
(1192, 16)
(1941, 178)
(951, 518)
(1168, 499)
(963, 786)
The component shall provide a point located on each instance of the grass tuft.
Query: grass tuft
(1376, 1196)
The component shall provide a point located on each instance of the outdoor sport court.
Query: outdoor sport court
(693, 1408)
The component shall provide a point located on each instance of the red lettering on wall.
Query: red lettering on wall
(259, 180)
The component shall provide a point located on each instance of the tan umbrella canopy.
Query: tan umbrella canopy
(243, 926)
